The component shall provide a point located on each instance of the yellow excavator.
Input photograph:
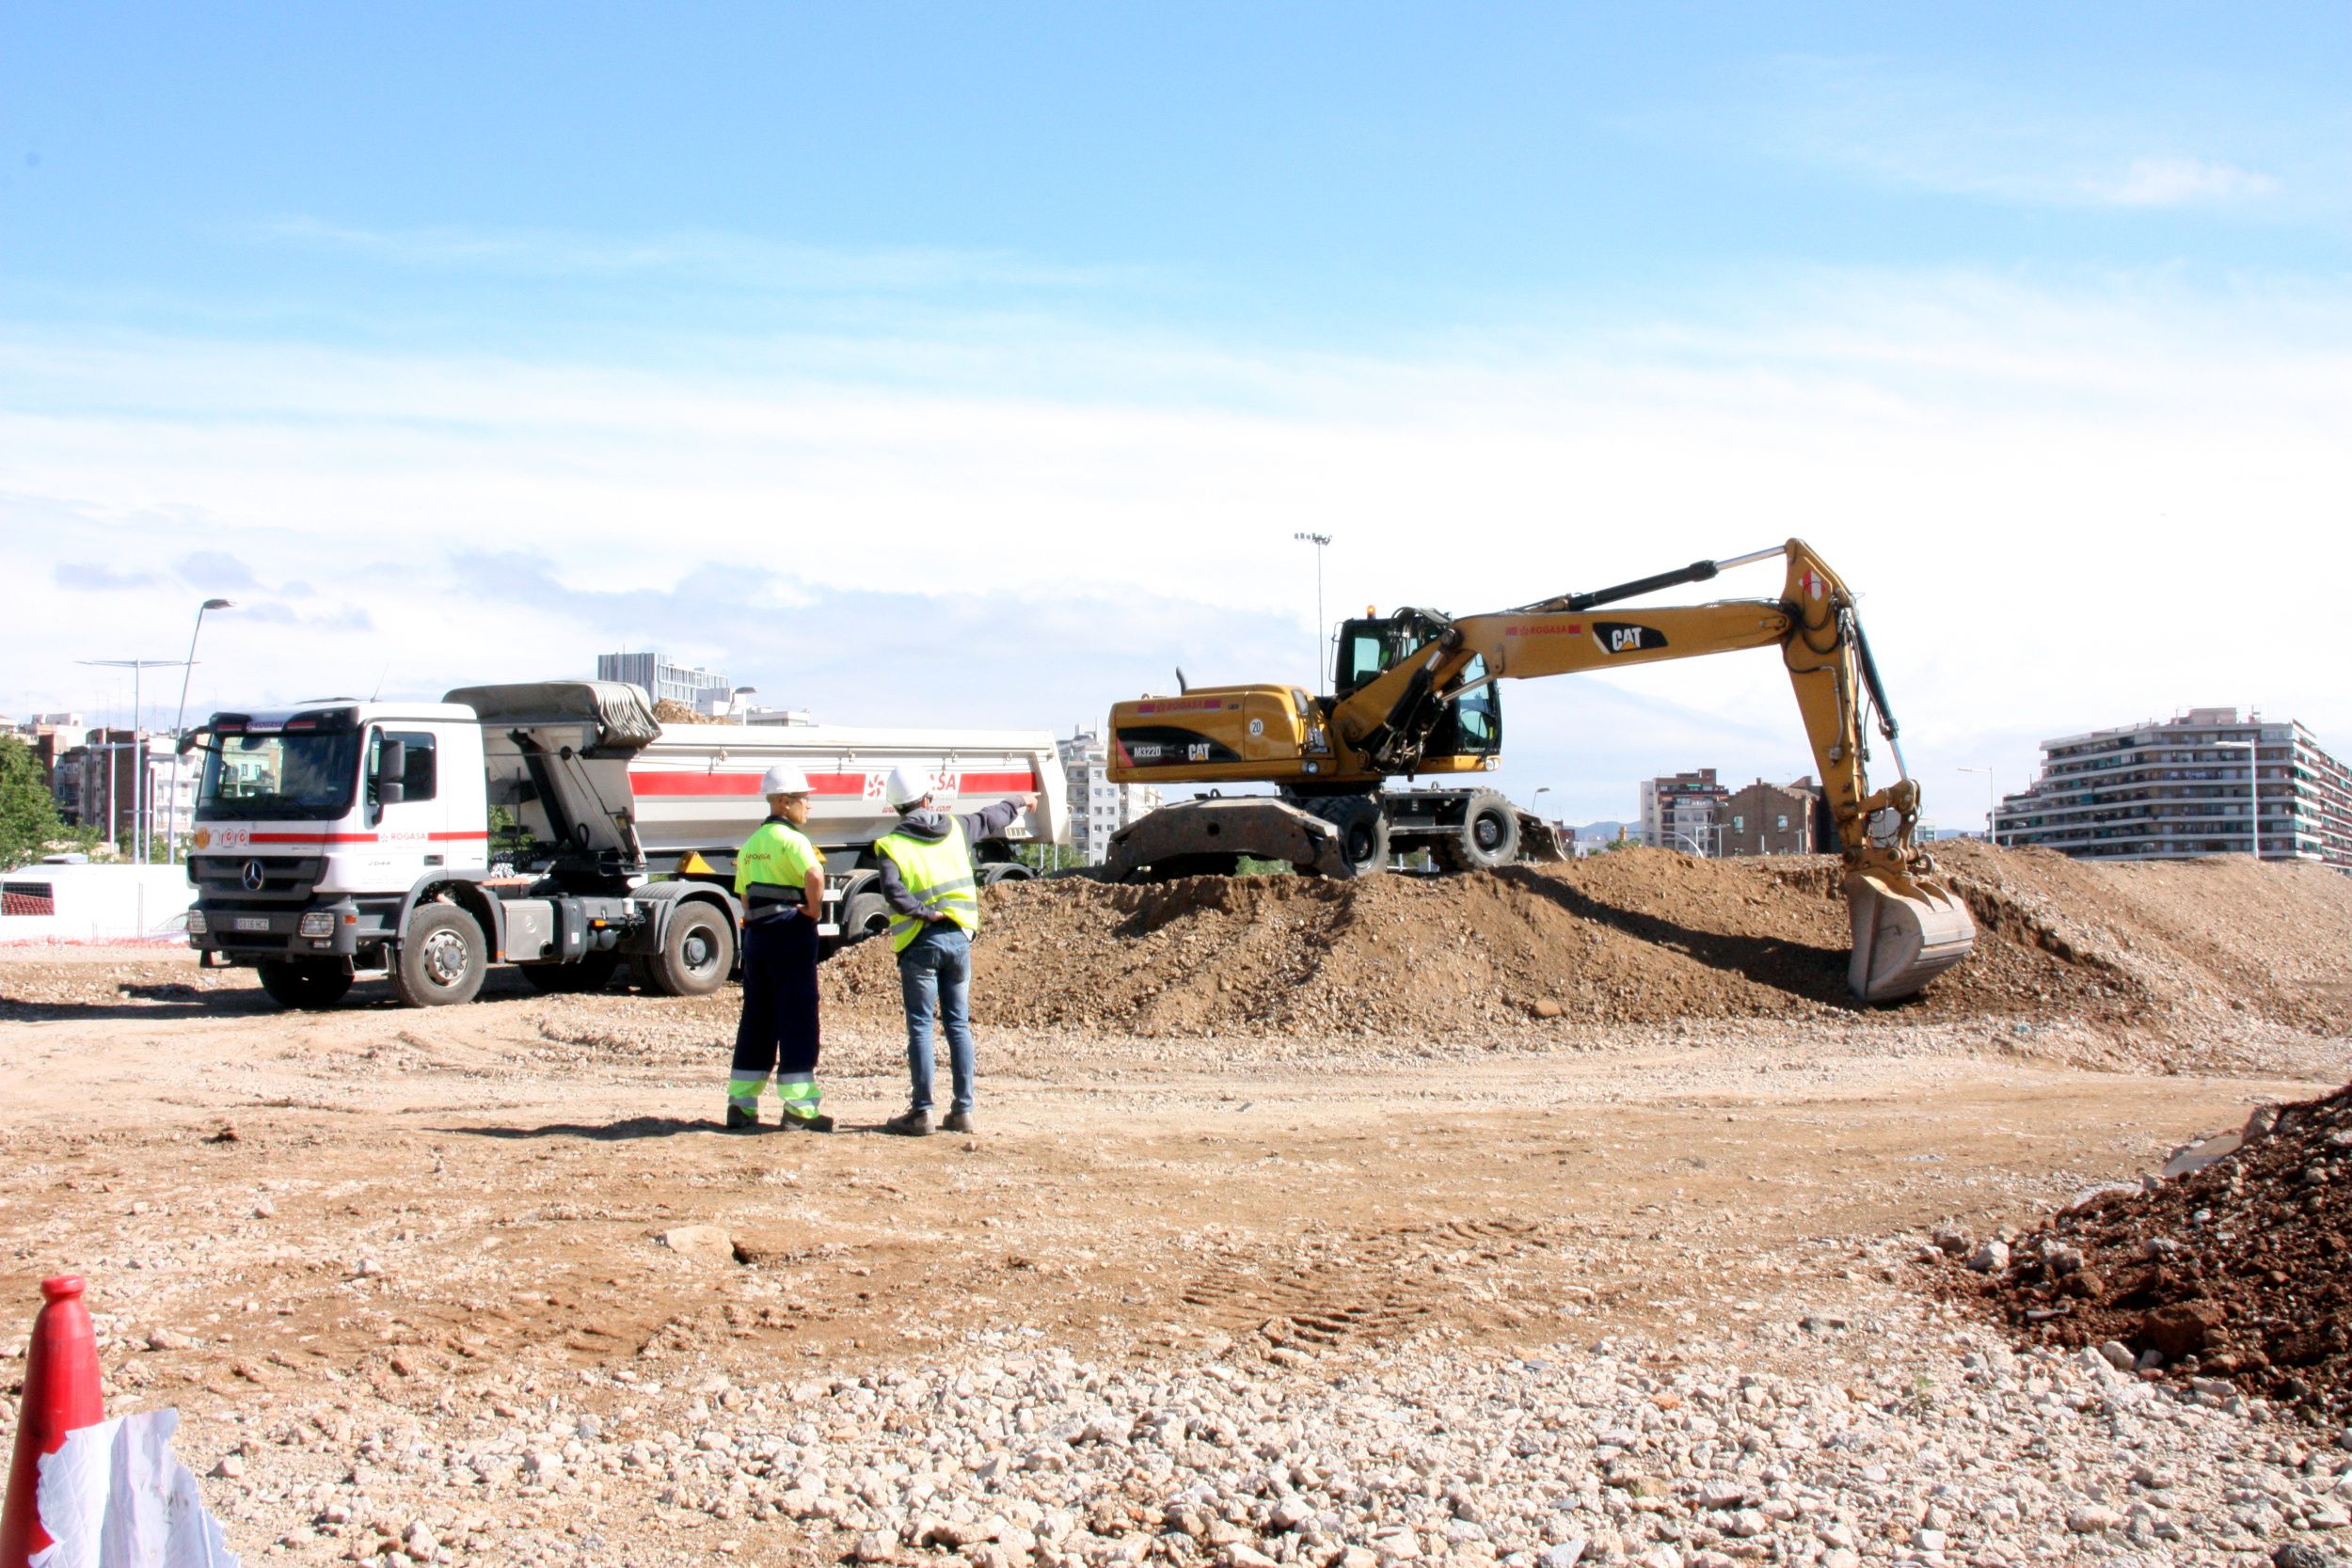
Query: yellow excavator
(1414, 695)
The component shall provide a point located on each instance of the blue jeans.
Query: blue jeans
(935, 978)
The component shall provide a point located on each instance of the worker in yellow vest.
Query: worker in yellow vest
(932, 885)
(780, 877)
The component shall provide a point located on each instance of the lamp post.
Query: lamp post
(1992, 820)
(735, 700)
(140, 814)
(179, 719)
(1321, 542)
(2253, 782)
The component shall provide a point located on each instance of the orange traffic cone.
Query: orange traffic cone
(60, 1394)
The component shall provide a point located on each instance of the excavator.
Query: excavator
(1414, 695)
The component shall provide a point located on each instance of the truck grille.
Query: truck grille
(221, 881)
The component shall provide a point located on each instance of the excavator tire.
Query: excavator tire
(1363, 830)
(1906, 932)
(1488, 837)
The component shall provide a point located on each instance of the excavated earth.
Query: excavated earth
(2240, 1269)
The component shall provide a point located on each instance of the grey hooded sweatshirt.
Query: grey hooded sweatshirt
(930, 827)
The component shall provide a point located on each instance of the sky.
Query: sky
(977, 365)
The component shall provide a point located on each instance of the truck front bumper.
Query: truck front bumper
(336, 929)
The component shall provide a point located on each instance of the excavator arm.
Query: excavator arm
(1909, 926)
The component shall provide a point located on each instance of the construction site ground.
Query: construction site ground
(1555, 1212)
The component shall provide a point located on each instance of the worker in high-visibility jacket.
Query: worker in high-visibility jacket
(931, 883)
(779, 878)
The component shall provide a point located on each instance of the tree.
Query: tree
(28, 817)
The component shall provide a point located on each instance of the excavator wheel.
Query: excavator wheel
(1488, 837)
(1363, 830)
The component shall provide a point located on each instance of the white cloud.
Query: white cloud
(2065, 508)
(1944, 132)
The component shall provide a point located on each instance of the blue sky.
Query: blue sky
(461, 342)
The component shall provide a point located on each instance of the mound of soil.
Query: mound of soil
(2241, 1270)
(2156, 952)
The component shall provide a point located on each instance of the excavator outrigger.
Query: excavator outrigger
(1414, 694)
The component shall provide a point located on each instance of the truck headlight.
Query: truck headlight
(197, 926)
(318, 923)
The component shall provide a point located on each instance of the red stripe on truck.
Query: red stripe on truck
(746, 785)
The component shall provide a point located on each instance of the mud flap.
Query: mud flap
(1194, 835)
(1904, 935)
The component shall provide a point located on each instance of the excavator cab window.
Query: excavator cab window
(1473, 725)
(1366, 649)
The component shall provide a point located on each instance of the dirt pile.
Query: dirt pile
(2156, 952)
(2241, 1270)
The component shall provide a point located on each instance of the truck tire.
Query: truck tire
(697, 952)
(442, 957)
(1488, 837)
(304, 984)
(864, 915)
(1004, 871)
(1363, 830)
(592, 972)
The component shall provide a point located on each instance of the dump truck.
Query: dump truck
(1415, 693)
(551, 825)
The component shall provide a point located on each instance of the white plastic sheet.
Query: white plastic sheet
(114, 1497)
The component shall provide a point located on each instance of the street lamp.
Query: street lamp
(2254, 783)
(1991, 822)
(735, 699)
(1320, 541)
(178, 723)
(139, 815)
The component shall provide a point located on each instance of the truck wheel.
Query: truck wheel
(1488, 837)
(697, 952)
(1004, 871)
(592, 972)
(442, 957)
(864, 915)
(303, 984)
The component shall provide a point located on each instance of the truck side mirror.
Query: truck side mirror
(391, 768)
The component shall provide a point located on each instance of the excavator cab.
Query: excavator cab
(1470, 726)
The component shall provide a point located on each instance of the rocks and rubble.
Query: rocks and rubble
(2240, 1269)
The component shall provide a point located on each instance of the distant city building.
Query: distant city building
(1772, 819)
(703, 690)
(1682, 811)
(1098, 808)
(778, 716)
(2180, 788)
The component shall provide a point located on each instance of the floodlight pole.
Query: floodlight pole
(1321, 542)
(178, 723)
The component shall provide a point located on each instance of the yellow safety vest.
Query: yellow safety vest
(940, 878)
(771, 869)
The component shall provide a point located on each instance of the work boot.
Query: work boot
(910, 1124)
(956, 1121)
(819, 1123)
(740, 1120)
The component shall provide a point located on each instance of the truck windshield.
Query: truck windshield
(303, 776)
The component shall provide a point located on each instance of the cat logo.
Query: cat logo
(1198, 750)
(1624, 637)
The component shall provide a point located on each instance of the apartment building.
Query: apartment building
(1684, 811)
(704, 690)
(1772, 819)
(1098, 808)
(2187, 786)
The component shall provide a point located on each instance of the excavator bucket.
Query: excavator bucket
(1906, 932)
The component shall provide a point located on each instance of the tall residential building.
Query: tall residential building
(2181, 788)
(1682, 811)
(1772, 819)
(1098, 808)
(704, 690)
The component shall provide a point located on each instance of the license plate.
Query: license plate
(252, 923)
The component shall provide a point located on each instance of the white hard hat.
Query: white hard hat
(784, 779)
(907, 786)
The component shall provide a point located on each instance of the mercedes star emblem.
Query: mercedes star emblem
(252, 877)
